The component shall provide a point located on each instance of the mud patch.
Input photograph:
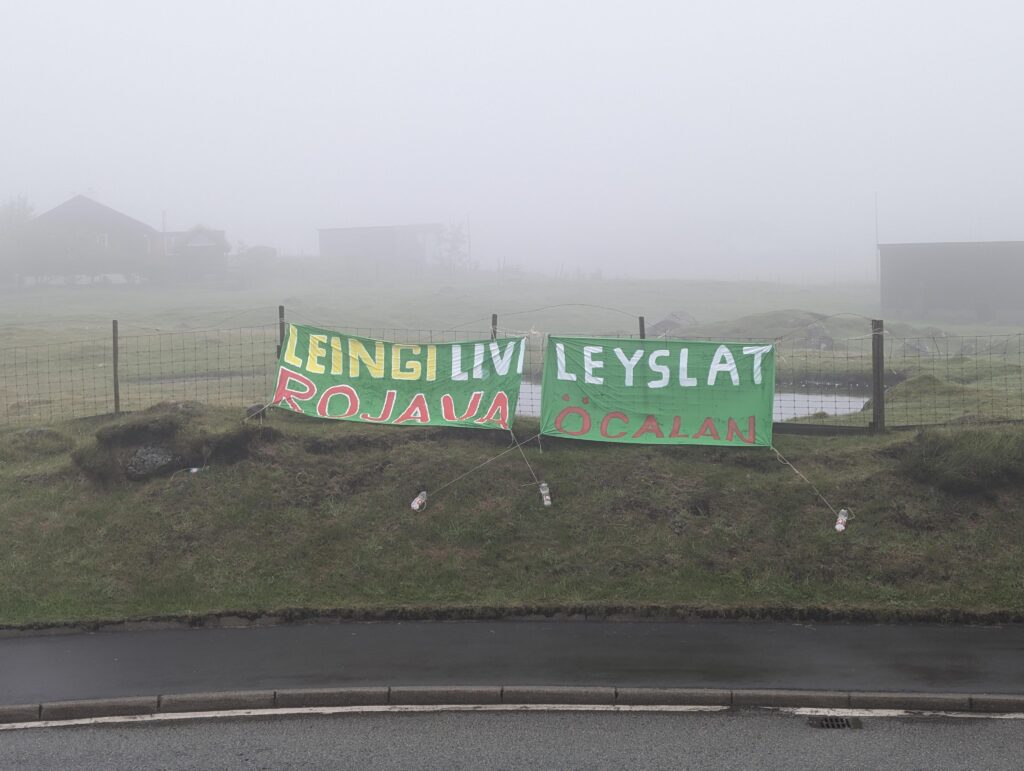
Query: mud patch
(149, 446)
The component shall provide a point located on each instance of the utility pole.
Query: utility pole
(878, 249)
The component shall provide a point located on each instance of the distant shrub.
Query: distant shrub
(922, 387)
(966, 461)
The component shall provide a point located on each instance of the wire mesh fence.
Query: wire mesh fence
(223, 367)
(820, 381)
(50, 382)
(954, 379)
(823, 381)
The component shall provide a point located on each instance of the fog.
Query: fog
(731, 140)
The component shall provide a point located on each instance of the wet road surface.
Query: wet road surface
(742, 740)
(712, 654)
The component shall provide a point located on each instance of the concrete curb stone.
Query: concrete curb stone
(942, 702)
(331, 697)
(19, 713)
(518, 694)
(708, 697)
(996, 702)
(442, 695)
(227, 700)
(74, 710)
(786, 698)
(445, 695)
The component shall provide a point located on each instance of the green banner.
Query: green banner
(330, 375)
(658, 391)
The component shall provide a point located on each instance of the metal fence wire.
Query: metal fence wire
(819, 381)
(954, 379)
(222, 367)
(50, 382)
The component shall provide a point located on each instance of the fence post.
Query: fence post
(494, 326)
(117, 382)
(280, 329)
(643, 330)
(877, 376)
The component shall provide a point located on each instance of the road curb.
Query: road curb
(209, 702)
(996, 702)
(543, 694)
(331, 697)
(783, 698)
(702, 697)
(508, 695)
(75, 710)
(19, 713)
(940, 702)
(445, 695)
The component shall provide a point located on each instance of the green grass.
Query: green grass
(316, 515)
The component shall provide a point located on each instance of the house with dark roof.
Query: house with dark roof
(84, 237)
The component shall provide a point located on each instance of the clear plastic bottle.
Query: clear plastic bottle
(841, 519)
(545, 493)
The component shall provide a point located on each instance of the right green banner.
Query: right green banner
(658, 391)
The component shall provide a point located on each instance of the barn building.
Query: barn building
(380, 251)
(979, 281)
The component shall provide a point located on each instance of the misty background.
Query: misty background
(728, 140)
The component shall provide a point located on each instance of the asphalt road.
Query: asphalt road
(751, 739)
(932, 658)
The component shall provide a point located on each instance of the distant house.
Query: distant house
(376, 251)
(956, 281)
(83, 237)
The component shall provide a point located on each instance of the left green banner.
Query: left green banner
(331, 375)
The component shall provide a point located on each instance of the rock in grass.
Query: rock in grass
(149, 461)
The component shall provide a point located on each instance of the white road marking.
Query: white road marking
(382, 708)
(842, 712)
(166, 717)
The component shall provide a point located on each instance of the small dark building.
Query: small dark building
(199, 251)
(954, 281)
(83, 237)
(378, 251)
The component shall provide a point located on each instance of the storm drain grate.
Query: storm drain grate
(835, 722)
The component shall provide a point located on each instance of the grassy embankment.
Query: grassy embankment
(312, 515)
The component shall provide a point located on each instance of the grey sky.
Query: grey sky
(675, 138)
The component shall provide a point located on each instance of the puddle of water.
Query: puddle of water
(787, 405)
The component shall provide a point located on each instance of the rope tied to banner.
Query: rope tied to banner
(515, 444)
(781, 459)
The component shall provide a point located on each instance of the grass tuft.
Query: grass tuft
(967, 461)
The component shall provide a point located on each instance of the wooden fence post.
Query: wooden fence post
(280, 329)
(877, 376)
(117, 382)
(494, 326)
(643, 330)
